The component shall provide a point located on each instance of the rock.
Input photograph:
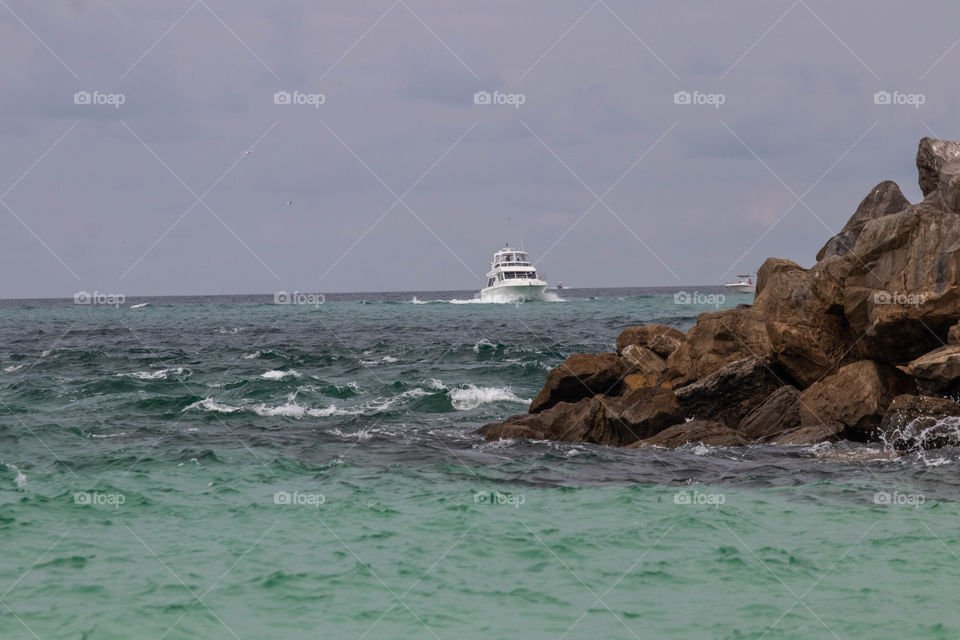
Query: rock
(643, 360)
(808, 338)
(852, 401)
(921, 422)
(582, 375)
(660, 339)
(811, 434)
(718, 339)
(883, 199)
(604, 420)
(730, 393)
(634, 381)
(953, 335)
(778, 413)
(702, 431)
(932, 155)
(937, 371)
(950, 187)
(901, 286)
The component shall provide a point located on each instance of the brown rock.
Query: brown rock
(883, 199)
(811, 434)
(778, 413)
(932, 155)
(702, 431)
(937, 371)
(953, 335)
(852, 401)
(730, 393)
(660, 339)
(603, 420)
(921, 422)
(808, 338)
(582, 375)
(718, 339)
(634, 381)
(950, 187)
(643, 360)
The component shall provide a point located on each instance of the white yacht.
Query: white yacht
(744, 284)
(512, 278)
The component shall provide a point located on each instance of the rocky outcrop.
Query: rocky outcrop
(660, 339)
(778, 413)
(696, 431)
(820, 355)
(854, 399)
(932, 155)
(730, 393)
(883, 199)
(937, 371)
(921, 422)
(719, 338)
(583, 375)
(605, 420)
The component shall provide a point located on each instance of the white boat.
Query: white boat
(745, 284)
(512, 278)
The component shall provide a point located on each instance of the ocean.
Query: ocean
(227, 467)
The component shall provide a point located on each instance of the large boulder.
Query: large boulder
(852, 401)
(901, 286)
(718, 339)
(778, 413)
(950, 187)
(921, 422)
(645, 368)
(808, 337)
(937, 371)
(604, 420)
(582, 375)
(811, 434)
(698, 431)
(932, 155)
(659, 338)
(883, 199)
(730, 393)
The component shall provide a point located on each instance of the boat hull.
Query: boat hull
(514, 293)
(741, 288)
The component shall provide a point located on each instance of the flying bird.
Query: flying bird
(289, 203)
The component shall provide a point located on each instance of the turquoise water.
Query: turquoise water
(231, 468)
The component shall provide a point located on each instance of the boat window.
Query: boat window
(490, 282)
(500, 276)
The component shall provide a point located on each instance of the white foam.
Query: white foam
(251, 356)
(209, 404)
(139, 306)
(157, 374)
(472, 396)
(20, 479)
(276, 374)
(483, 342)
(14, 367)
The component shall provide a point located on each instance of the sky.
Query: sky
(150, 148)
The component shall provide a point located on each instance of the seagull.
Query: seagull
(248, 152)
(289, 203)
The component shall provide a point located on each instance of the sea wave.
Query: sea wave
(277, 374)
(157, 374)
(472, 396)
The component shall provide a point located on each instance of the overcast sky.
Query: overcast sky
(399, 181)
